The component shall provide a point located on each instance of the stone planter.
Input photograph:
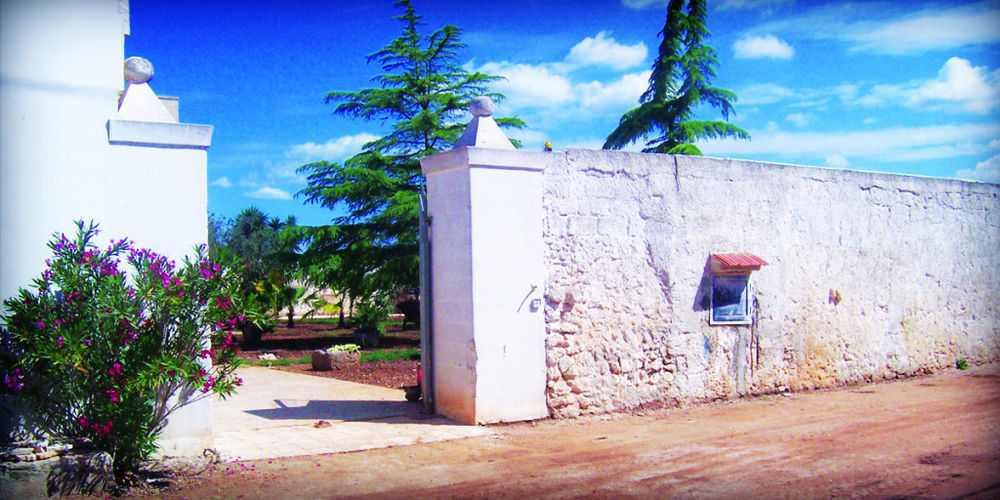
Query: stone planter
(323, 361)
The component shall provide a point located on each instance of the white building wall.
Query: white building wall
(60, 75)
(66, 153)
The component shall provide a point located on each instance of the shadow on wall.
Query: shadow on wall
(703, 298)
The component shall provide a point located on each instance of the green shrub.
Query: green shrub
(99, 355)
(962, 364)
(344, 348)
(369, 316)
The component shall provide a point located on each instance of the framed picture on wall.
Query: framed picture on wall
(730, 304)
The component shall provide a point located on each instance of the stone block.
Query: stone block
(326, 361)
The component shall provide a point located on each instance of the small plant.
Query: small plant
(962, 364)
(369, 316)
(344, 348)
(112, 341)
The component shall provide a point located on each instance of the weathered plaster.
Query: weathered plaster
(915, 262)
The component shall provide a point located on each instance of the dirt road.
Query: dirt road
(930, 437)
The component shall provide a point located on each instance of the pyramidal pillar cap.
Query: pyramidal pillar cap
(483, 131)
(139, 103)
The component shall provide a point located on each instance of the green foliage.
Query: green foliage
(679, 83)
(264, 250)
(423, 93)
(369, 315)
(962, 364)
(99, 355)
(344, 348)
(390, 355)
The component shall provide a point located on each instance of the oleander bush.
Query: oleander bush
(109, 342)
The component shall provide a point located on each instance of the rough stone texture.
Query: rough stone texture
(56, 475)
(325, 361)
(914, 261)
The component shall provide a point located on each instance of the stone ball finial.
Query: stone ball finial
(481, 106)
(138, 70)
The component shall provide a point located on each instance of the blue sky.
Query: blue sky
(906, 87)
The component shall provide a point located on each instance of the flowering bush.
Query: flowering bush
(104, 355)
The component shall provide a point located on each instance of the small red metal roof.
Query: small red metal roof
(739, 260)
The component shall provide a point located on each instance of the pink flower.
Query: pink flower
(116, 372)
(209, 384)
(102, 430)
(113, 395)
(59, 341)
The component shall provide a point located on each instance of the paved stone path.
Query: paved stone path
(281, 414)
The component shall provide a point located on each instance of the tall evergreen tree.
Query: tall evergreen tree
(680, 81)
(424, 94)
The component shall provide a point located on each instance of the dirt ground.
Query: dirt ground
(305, 337)
(931, 437)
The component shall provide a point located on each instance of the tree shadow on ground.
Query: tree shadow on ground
(348, 410)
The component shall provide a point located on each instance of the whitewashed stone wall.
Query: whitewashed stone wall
(915, 261)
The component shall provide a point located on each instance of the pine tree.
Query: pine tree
(424, 94)
(680, 81)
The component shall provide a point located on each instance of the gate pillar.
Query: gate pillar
(484, 201)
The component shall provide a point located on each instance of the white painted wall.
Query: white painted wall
(916, 262)
(67, 153)
(489, 343)
(60, 75)
(454, 346)
(507, 274)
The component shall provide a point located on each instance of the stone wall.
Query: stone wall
(914, 261)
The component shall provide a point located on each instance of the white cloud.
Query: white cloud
(603, 50)
(799, 119)
(988, 171)
(930, 30)
(623, 92)
(222, 182)
(530, 86)
(760, 5)
(893, 27)
(885, 145)
(765, 93)
(270, 193)
(334, 149)
(958, 87)
(642, 4)
(961, 85)
(995, 144)
(755, 47)
(837, 161)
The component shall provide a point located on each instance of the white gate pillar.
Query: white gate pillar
(484, 199)
(158, 174)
